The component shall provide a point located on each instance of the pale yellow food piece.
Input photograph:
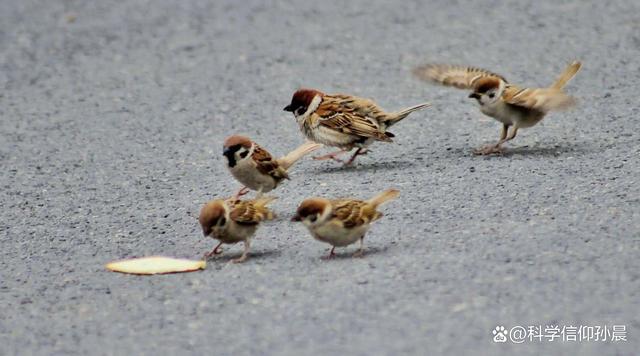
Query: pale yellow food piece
(155, 265)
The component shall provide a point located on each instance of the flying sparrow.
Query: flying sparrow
(255, 168)
(343, 121)
(341, 222)
(509, 104)
(230, 221)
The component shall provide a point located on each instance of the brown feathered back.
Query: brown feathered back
(252, 212)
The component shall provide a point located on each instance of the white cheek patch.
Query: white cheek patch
(248, 155)
(501, 88)
(313, 106)
(325, 214)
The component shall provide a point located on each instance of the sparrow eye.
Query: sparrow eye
(313, 218)
(300, 111)
(491, 95)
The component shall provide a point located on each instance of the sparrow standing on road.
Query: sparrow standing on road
(343, 121)
(509, 104)
(230, 221)
(255, 168)
(341, 222)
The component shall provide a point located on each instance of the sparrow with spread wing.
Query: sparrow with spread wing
(507, 103)
(231, 221)
(344, 121)
(341, 222)
(255, 168)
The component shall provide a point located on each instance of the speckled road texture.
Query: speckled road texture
(112, 117)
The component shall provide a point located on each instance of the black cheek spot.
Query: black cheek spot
(244, 154)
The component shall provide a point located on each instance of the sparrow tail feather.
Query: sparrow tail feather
(293, 156)
(261, 205)
(568, 73)
(384, 197)
(404, 113)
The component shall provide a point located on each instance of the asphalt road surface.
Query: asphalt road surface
(112, 117)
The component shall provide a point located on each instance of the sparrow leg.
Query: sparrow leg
(513, 134)
(360, 151)
(332, 156)
(331, 254)
(241, 192)
(496, 148)
(216, 251)
(245, 254)
(505, 138)
(360, 252)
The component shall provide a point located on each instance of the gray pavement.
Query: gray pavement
(112, 116)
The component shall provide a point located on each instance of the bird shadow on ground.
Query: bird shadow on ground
(348, 254)
(227, 257)
(365, 167)
(550, 150)
(542, 149)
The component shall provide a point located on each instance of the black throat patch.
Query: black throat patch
(230, 153)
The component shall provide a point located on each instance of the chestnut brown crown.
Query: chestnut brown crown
(302, 99)
(310, 207)
(483, 85)
(235, 140)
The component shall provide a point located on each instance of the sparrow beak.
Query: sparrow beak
(474, 96)
(296, 218)
(288, 108)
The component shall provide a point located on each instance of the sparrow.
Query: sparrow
(341, 222)
(506, 103)
(230, 221)
(255, 168)
(344, 121)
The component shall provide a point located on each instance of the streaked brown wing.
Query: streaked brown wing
(349, 103)
(352, 116)
(353, 213)
(451, 75)
(266, 164)
(541, 99)
(245, 212)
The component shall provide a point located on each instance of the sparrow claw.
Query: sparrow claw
(241, 192)
(216, 251)
(332, 156)
(359, 152)
(330, 255)
(324, 158)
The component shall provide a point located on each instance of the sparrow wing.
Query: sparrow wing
(250, 212)
(452, 75)
(266, 164)
(351, 116)
(541, 99)
(353, 213)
